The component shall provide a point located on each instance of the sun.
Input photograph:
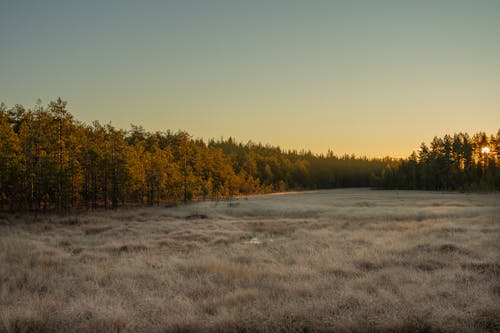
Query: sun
(485, 150)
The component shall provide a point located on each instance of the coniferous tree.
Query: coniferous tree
(49, 161)
(9, 163)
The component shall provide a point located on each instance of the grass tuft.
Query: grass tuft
(328, 261)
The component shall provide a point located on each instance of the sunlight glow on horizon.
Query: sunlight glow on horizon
(364, 78)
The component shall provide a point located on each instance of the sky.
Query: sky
(374, 77)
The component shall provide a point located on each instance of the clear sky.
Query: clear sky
(367, 77)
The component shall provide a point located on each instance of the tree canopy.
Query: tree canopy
(51, 161)
(458, 162)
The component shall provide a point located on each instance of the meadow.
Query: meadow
(347, 260)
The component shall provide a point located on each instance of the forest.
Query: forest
(457, 162)
(50, 161)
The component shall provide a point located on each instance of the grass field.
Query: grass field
(350, 260)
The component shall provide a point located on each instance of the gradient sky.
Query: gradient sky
(368, 77)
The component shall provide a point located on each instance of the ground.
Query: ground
(340, 260)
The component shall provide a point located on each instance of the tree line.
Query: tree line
(49, 161)
(458, 162)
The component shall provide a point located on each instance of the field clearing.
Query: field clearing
(339, 260)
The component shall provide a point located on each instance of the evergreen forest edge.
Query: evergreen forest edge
(49, 161)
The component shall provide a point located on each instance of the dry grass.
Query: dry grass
(342, 260)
